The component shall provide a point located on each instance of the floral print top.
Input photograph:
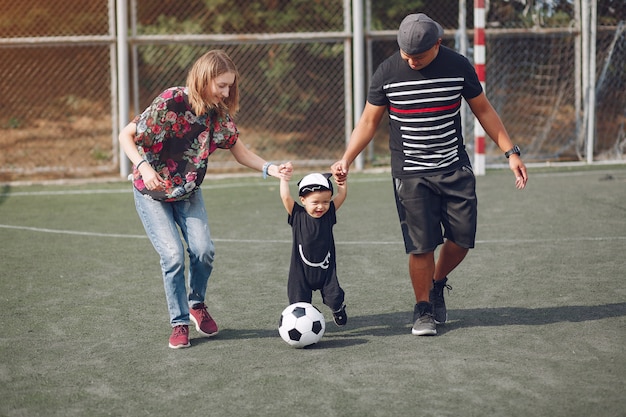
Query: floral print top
(177, 143)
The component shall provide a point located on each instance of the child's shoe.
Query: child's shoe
(340, 317)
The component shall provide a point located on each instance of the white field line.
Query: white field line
(129, 188)
(256, 241)
(209, 186)
(361, 242)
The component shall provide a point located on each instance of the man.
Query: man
(421, 87)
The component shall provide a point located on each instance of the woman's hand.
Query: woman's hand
(283, 171)
(151, 179)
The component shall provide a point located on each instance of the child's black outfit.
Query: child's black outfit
(313, 265)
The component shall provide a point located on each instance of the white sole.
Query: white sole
(424, 332)
(193, 320)
(180, 346)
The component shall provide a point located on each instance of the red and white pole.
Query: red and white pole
(479, 64)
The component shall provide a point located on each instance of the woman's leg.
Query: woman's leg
(192, 218)
(158, 221)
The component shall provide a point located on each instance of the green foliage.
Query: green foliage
(273, 16)
(100, 155)
(280, 68)
(388, 14)
(180, 57)
(14, 123)
(519, 14)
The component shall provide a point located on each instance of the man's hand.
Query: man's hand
(519, 169)
(340, 171)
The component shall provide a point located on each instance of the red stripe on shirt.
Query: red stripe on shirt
(425, 110)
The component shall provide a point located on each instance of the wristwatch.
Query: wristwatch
(513, 150)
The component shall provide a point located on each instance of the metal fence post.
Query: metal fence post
(358, 70)
(591, 102)
(122, 77)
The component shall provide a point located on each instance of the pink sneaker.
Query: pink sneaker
(180, 337)
(205, 325)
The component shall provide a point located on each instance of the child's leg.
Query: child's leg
(332, 293)
(333, 296)
(298, 289)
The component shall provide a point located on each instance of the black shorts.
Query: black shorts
(433, 207)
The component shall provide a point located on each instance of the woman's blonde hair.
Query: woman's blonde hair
(202, 74)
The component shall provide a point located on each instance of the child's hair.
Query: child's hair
(209, 66)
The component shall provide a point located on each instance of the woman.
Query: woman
(169, 144)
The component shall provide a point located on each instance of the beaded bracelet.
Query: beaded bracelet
(266, 166)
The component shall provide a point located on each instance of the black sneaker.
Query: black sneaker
(436, 298)
(424, 323)
(340, 317)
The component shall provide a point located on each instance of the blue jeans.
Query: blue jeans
(162, 222)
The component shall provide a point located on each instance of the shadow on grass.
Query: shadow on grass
(513, 316)
(332, 339)
(399, 323)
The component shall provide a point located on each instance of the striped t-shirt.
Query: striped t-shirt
(425, 134)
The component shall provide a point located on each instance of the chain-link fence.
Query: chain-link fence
(292, 90)
(534, 77)
(55, 95)
(59, 75)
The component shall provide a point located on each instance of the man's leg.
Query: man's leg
(421, 270)
(450, 257)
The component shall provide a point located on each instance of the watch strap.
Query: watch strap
(515, 149)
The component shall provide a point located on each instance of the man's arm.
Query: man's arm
(360, 137)
(491, 122)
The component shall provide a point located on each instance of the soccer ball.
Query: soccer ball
(301, 324)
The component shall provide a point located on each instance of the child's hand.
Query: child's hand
(340, 172)
(285, 170)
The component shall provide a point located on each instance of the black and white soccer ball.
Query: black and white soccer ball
(301, 324)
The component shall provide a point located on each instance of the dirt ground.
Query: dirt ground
(83, 148)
